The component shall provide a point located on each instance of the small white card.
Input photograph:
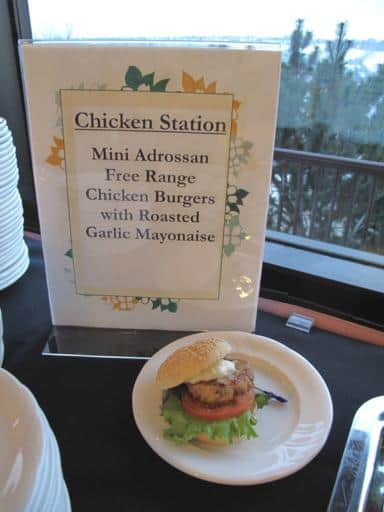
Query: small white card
(152, 167)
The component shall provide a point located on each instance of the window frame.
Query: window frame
(14, 25)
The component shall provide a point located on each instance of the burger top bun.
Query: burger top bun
(188, 361)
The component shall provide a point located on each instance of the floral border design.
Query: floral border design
(239, 154)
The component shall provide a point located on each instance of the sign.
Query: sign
(147, 172)
(152, 168)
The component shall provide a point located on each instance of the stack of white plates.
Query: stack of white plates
(31, 477)
(1, 339)
(14, 259)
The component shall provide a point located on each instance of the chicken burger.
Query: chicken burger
(207, 395)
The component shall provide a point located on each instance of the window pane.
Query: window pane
(170, 18)
(331, 98)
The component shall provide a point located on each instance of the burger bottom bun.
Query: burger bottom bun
(203, 438)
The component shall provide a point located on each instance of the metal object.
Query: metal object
(270, 394)
(359, 483)
(300, 322)
(340, 162)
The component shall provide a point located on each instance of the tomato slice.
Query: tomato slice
(196, 409)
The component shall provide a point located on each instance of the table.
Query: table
(108, 466)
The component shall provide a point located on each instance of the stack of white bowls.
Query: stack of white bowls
(14, 259)
(31, 477)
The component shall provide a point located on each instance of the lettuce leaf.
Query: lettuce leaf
(183, 428)
(262, 400)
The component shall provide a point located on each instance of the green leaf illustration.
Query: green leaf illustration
(228, 249)
(160, 86)
(172, 307)
(241, 193)
(133, 77)
(156, 303)
(234, 208)
(69, 253)
(148, 79)
(247, 145)
(234, 221)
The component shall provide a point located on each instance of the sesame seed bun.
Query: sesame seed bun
(188, 361)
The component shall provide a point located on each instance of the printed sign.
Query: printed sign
(147, 174)
(152, 168)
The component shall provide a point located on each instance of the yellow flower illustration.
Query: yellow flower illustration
(56, 157)
(192, 85)
(235, 114)
(121, 303)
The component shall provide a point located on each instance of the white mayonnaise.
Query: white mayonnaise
(222, 368)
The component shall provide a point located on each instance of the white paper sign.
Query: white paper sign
(147, 176)
(152, 168)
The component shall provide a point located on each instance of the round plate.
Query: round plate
(289, 435)
(21, 443)
(11, 275)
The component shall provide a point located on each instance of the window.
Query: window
(326, 216)
(331, 99)
(11, 104)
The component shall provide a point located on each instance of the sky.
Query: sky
(163, 18)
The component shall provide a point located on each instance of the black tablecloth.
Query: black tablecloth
(108, 466)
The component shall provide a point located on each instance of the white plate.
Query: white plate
(4, 130)
(8, 169)
(47, 488)
(14, 213)
(14, 227)
(11, 250)
(13, 274)
(31, 477)
(5, 135)
(21, 443)
(9, 178)
(11, 202)
(10, 244)
(290, 435)
(6, 148)
(7, 165)
(11, 224)
(7, 156)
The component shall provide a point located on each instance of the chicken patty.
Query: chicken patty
(221, 391)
